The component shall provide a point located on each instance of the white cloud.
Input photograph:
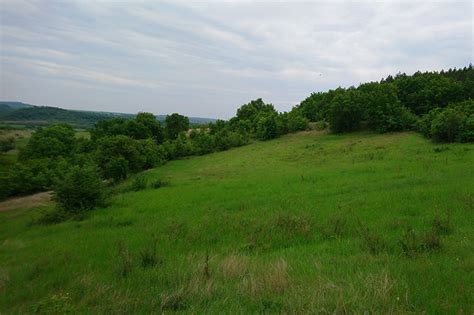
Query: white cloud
(207, 58)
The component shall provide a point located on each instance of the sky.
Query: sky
(207, 58)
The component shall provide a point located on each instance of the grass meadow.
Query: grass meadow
(307, 223)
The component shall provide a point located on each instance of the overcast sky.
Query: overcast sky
(208, 58)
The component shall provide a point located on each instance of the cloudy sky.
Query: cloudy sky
(207, 58)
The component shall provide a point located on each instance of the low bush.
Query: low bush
(139, 183)
(81, 189)
(159, 183)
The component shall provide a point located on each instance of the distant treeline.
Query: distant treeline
(440, 105)
(33, 116)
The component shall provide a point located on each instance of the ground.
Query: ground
(308, 222)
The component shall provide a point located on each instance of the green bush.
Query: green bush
(7, 145)
(81, 189)
(447, 125)
(345, 114)
(267, 127)
(117, 169)
(139, 183)
(454, 123)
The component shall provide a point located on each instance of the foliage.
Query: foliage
(453, 123)
(346, 112)
(7, 144)
(116, 168)
(266, 127)
(51, 142)
(81, 189)
(175, 125)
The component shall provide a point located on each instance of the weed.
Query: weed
(159, 183)
(235, 266)
(125, 263)
(139, 183)
(207, 271)
(53, 217)
(413, 243)
(149, 256)
(440, 149)
(335, 227)
(56, 304)
(174, 301)
(441, 226)
(373, 242)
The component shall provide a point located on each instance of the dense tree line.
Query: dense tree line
(400, 103)
(55, 159)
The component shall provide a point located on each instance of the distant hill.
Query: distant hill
(14, 105)
(32, 115)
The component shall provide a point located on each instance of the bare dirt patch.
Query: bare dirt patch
(26, 202)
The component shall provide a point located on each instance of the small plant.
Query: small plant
(53, 217)
(321, 125)
(373, 242)
(159, 183)
(149, 256)
(174, 301)
(336, 227)
(441, 226)
(56, 304)
(440, 149)
(139, 183)
(206, 271)
(125, 262)
(413, 243)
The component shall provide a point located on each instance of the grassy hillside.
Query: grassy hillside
(307, 222)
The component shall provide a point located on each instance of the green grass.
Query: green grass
(7, 160)
(305, 223)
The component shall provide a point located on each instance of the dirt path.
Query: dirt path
(26, 202)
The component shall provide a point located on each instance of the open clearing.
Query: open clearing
(303, 223)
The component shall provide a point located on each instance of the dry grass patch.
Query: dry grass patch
(26, 202)
(269, 279)
(235, 266)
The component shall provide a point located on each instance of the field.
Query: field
(21, 137)
(309, 222)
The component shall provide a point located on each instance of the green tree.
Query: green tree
(54, 141)
(81, 189)
(7, 144)
(116, 169)
(176, 124)
(267, 127)
(149, 121)
(346, 112)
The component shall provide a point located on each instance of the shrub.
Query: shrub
(139, 183)
(454, 123)
(7, 145)
(159, 183)
(54, 141)
(116, 168)
(81, 189)
(267, 127)
(413, 242)
(149, 256)
(447, 125)
(345, 113)
(124, 264)
(320, 125)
